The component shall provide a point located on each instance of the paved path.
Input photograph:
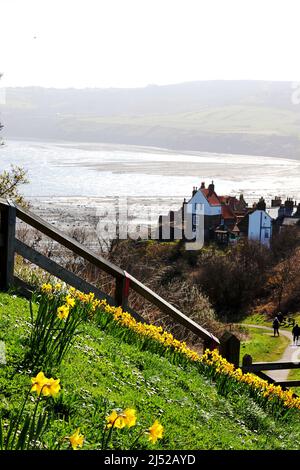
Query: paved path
(291, 353)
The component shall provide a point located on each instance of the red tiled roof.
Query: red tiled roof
(211, 197)
(227, 212)
(232, 201)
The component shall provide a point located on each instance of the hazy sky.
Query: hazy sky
(129, 43)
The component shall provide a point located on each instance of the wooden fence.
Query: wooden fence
(259, 368)
(10, 245)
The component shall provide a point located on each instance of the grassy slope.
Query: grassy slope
(228, 119)
(257, 319)
(241, 129)
(100, 366)
(262, 345)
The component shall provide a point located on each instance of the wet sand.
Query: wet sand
(72, 184)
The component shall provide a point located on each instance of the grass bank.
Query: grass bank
(102, 372)
(262, 345)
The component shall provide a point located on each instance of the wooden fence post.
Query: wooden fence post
(7, 250)
(230, 348)
(122, 292)
(210, 344)
(246, 362)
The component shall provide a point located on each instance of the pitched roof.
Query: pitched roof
(290, 221)
(231, 200)
(227, 212)
(211, 197)
(236, 229)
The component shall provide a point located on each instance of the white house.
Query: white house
(207, 201)
(260, 227)
(208, 198)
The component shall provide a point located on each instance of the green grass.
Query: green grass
(264, 130)
(258, 120)
(260, 319)
(257, 319)
(294, 375)
(102, 373)
(262, 345)
(259, 348)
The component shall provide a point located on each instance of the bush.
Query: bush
(234, 278)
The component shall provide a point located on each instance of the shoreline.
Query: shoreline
(138, 148)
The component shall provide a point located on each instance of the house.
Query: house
(260, 227)
(208, 201)
(288, 214)
(290, 222)
(225, 218)
(297, 213)
(221, 213)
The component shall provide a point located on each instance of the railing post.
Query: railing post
(7, 250)
(230, 348)
(122, 292)
(210, 344)
(246, 362)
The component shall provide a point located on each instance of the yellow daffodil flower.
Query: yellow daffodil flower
(155, 432)
(63, 312)
(76, 439)
(38, 382)
(116, 419)
(47, 288)
(70, 301)
(51, 387)
(130, 417)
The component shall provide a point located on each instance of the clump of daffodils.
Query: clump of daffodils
(266, 390)
(211, 359)
(127, 417)
(150, 331)
(122, 419)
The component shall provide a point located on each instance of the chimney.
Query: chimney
(194, 191)
(211, 187)
(297, 213)
(288, 207)
(276, 202)
(261, 205)
(202, 185)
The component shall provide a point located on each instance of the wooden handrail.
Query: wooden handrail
(265, 366)
(169, 309)
(68, 242)
(54, 268)
(124, 281)
(260, 369)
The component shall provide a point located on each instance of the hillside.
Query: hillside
(105, 371)
(244, 117)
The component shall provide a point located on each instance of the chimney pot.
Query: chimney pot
(211, 187)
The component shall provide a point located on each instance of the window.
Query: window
(194, 222)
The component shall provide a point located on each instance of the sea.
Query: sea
(74, 183)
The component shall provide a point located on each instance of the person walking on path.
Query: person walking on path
(296, 332)
(276, 326)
